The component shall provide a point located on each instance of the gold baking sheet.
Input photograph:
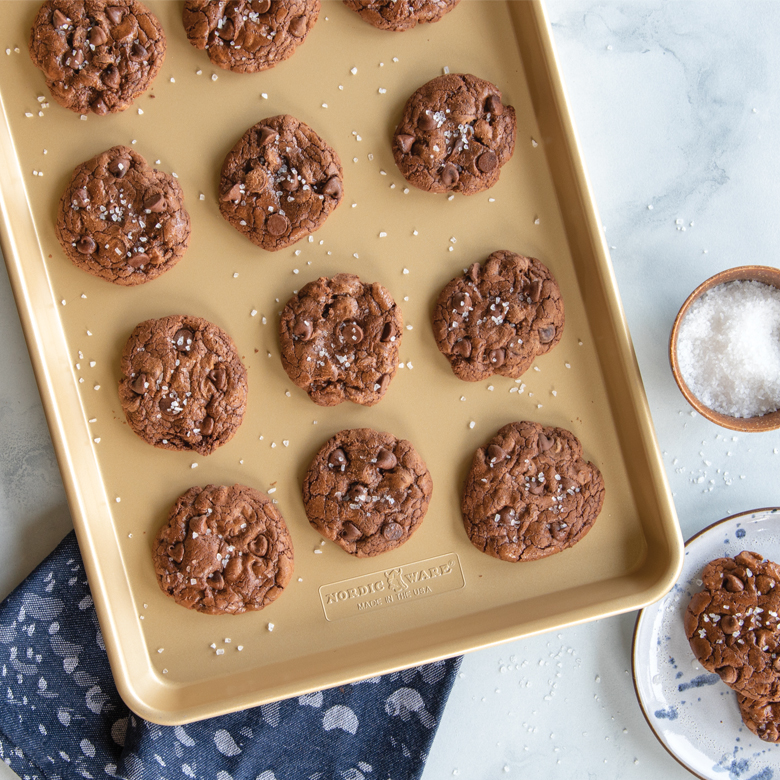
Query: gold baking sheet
(172, 665)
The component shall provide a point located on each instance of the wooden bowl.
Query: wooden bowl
(745, 273)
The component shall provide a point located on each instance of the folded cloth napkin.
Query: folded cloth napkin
(61, 717)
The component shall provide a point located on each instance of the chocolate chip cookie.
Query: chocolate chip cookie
(121, 220)
(367, 491)
(183, 385)
(97, 55)
(340, 339)
(498, 317)
(762, 717)
(224, 550)
(454, 135)
(247, 36)
(530, 494)
(732, 625)
(399, 15)
(279, 183)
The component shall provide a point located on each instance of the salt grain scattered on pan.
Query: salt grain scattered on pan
(729, 351)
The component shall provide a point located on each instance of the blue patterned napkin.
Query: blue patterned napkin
(61, 716)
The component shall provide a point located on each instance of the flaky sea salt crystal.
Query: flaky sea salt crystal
(728, 348)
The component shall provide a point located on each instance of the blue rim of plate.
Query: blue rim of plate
(634, 648)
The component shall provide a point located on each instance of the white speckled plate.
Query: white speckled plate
(693, 714)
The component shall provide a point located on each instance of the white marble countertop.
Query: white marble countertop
(677, 108)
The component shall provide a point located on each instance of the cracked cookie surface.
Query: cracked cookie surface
(340, 339)
(529, 493)
(223, 550)
(367, 491)
(97, 55)
(455, 135)
(498, 317)
(183, 385)
(121, 220)
(247, 36)
(762, 717)
(399, 15)
(733, 627)
(279, 183)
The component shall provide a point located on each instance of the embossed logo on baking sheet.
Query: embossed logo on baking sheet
(389, 587)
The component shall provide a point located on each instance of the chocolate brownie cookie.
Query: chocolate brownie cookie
(454, 135)
(367, 491)
(530, 494)
(183, 385)
(223, 550)
(399, 15)
(247, 36)
(340, 339)
(499, 317)
(762, 717)
(732, 625)
(97, 55)
(121, 220)
(279, 182)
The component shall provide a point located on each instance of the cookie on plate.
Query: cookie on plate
(97, 55)
(223, 550)
(340, 339)
(732, 625)
(399, 15)
(530, 494)
(247, 36)
(183, 385)
(762, 717)
(279, 183)
(121, 220)
(367, 491)
(455, 135)
(498, 317)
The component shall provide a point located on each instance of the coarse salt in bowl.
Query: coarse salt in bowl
(725, 348)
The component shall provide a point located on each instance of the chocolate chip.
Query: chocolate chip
(138, 261)
(426, 121)
(728, 674)
(545, 443)
(219, 377)
(216, 581)
(198, 524)
(384, 381)
(350, 532)
(729, 624)
(81, 198)
(207, 426)
(138, 53)
(59, 19)
(333, 187)
(298, 26)
(357, 493)
(290, 184)
(119, 166)
(176, 552)
(352, 333)
(546, 334)
(497, 357)
(170, 405)
(337, 459)
(505, 515)
(261, 6)
(228, 31)
(140, 384)
(461, 302)
(536, 488)
(234, 569)
(392, 531)
(258, 546)
(114, 14)
(99, 106)
(473, 272)
(535, 290)
(733, 584)
(233, 195)
(97, 36)
(449, 175)
(386, 460)
(266, 135)
(110, 77)
(493, 105)
(75, 60)
(462, 348)
(154, 202)
(86, 245)
(495, 453)
(405, 142)
(277, 224)
(303, 330)
(183, 338)
(764, 584)
(487, 161)
(387, 333)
